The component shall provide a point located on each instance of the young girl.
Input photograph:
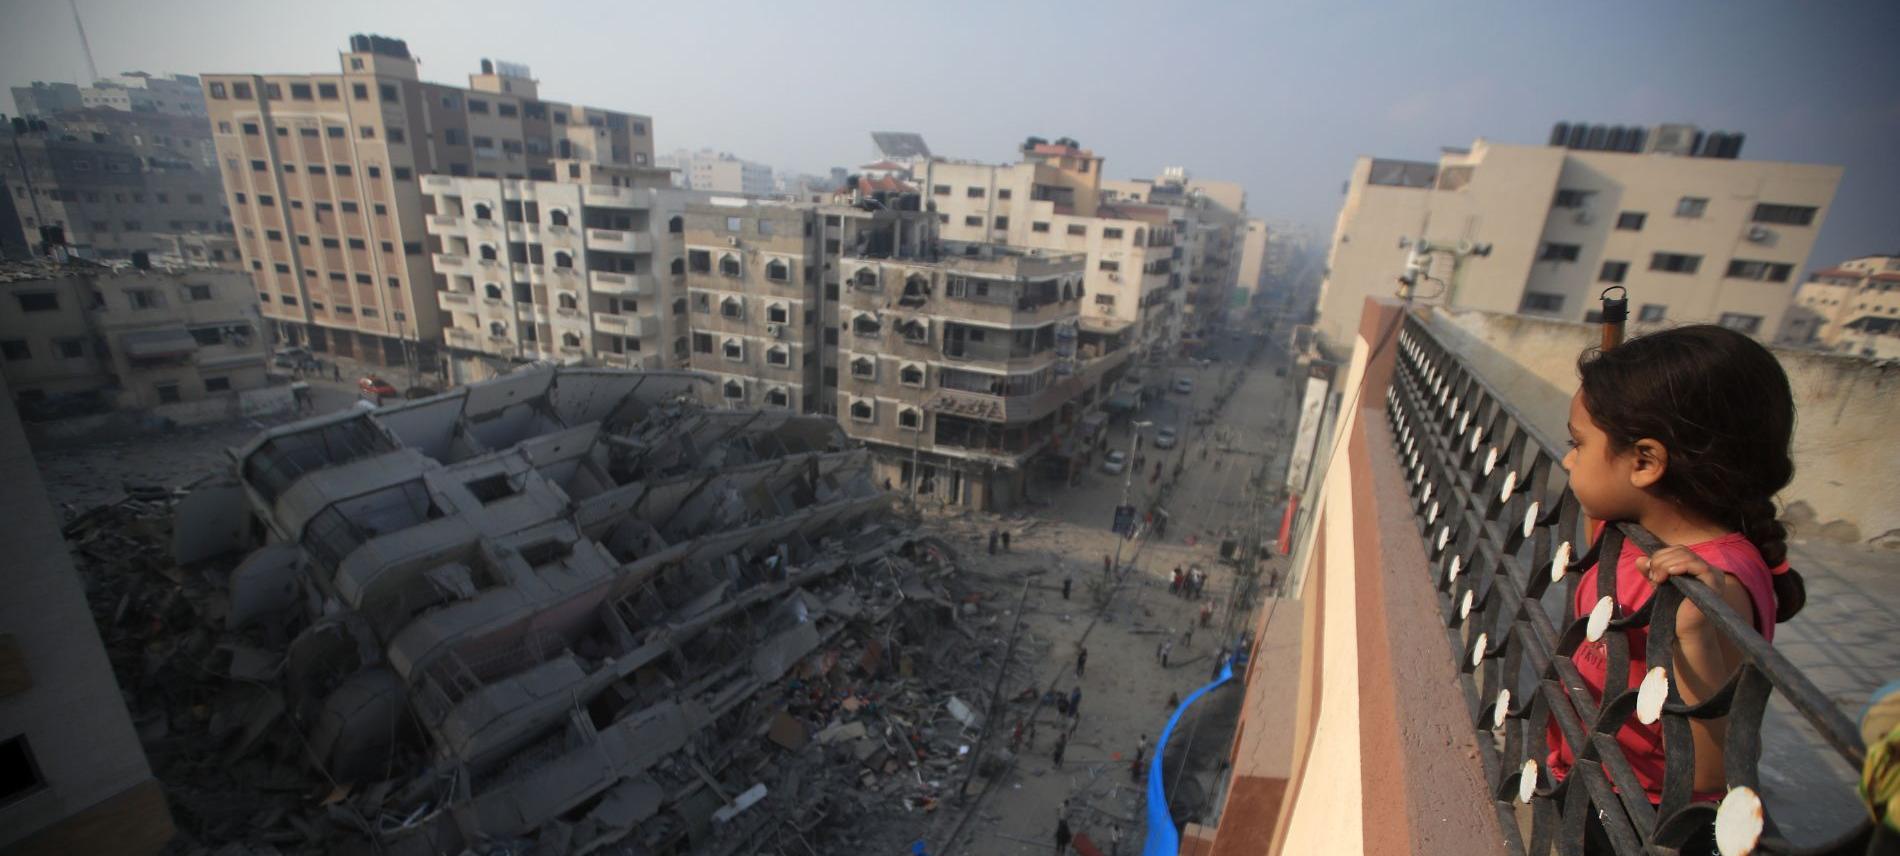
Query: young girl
(1684, 432)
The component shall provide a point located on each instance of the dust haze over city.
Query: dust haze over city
(949, 429)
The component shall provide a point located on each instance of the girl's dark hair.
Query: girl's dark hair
(1720, 404)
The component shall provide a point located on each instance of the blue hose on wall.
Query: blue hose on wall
(1162, 839)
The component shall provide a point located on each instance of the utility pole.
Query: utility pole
(1128, 481)
(83, 44)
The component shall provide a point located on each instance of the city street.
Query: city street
(1125, 690)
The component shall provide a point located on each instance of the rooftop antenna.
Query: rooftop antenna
(83, 44)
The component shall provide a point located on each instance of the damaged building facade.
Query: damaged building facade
(552, 603)
(560, 271)
(961, 362)
(755, 286)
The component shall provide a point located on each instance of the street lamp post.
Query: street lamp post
(1128, 481)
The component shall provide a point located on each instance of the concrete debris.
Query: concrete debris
(562, 611)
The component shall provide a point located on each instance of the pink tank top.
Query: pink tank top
(1643, 744)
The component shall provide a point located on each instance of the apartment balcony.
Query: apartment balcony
(1429, 591)
(618, 241)
(438, 183)
(615, 361)
(445, 262)
(623, 284)
(455, 301)
(530, 232)
(638, 326)
(457, 337)
(443, 222)
(607, 196)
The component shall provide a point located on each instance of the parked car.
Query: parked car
(374, 388)
(1114, 461)
(293, 359)
(1165, 438)
(1184, 385)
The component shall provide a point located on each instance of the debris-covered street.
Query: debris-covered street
(784, 660)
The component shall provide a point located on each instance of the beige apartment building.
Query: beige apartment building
(109, 188)
(1052, 200)
(1250, 276)
(719, 172)
(1671, 214)
(755, 295)
(1852, 308)
(1210, 223)
(559, 271)
(322, 174)
(86, 338)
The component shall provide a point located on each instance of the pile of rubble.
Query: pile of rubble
(577, 612)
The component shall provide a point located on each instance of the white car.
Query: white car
(1166, 438)
(1114, 461)
(1184, 385)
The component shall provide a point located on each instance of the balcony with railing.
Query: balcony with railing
(1435, 550)
(640, 326)
(623, 284)
(619, 241)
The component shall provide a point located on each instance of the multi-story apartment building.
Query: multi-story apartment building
(1671, 214)
(160, 140)
(134, 339)
(138, 92)
(43, 99)
(322, 169)
(1250, 274)
(720, 172)
(560, 271)
(1853, 307)
(756, 294)
(1052, 200)
(109, 193)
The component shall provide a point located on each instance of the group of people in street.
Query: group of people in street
(1189, 583)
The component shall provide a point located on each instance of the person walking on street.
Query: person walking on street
(1068, 582)
(992, 540)
(1062, 742)
(1166, 649)
(1115, 839)
(1063, 835)
(1075, 703)
(1160, 650)
(1006, 540)
(1174, 586)
(1207, 613)
(1106, 566)
(336, 373)
(1081, 662)
(1187, 638)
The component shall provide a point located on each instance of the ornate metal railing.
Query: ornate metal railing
(1501, 528)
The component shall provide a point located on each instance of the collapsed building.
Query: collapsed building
(548, 607)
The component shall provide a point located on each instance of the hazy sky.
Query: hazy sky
(1278, 96)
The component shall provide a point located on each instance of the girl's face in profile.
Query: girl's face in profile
(1599, 476)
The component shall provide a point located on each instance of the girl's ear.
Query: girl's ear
(1648, 461)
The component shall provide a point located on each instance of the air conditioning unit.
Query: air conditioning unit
(1584, 219)
(732, 241)
(1759, 234)
(777, 331)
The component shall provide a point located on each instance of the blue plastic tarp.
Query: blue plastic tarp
(1162, 839)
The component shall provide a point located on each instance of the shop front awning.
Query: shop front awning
(153, 344)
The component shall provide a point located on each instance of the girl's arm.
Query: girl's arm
(1704, 659)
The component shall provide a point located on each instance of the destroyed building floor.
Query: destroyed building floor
(569, 615)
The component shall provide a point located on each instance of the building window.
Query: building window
(733, 308)
(273, 92)
(217, 90)
(1000, 223)
(866, 326)
(327, 91)
(1787, 215)
(15, 349)
(167, 392)
(400, 173)
(729, 265)
(911, 374)
(38, 301)
(940, 189)
(1613, 271)
(778, 313)
(1691, 206)
(1571, 198)
(861, 411)
(1740, 323)
(1652, 312)
(1764, 271)
(1108, 265)
(776, 397)
(973, 220)
(388, 92)
(70, 349)
(1039, 227)
(1559, 252)
(702, 343)
(1675, 263)
(734, 390)
(1078, 229)
(198, 293)
(1631, 221)
(975, 193)
(777, 270)
(217, 384)
(733, 350)
(240, 90)
(343, 169)
(676, 225)
(778, 355)
(1535, 301)
(300, 91)
(1106, 301)
(1002, 193)
(1111, 234)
